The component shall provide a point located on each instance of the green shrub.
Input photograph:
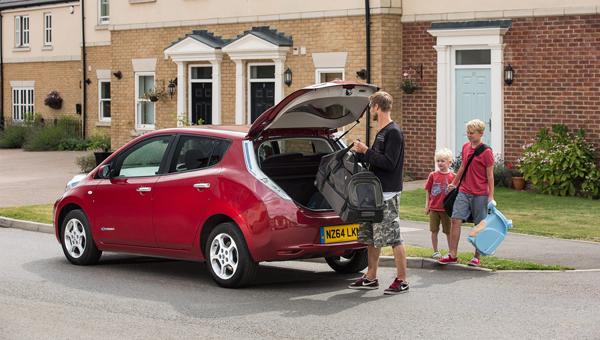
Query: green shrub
(561, 163)
(73, 144)
(86, 163)
(502, 172)
(13, 136)
(59, 135)
(99, 142)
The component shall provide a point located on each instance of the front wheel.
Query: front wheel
(349, 264)
(77, 241)
(227, 256)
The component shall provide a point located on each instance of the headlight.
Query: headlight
(74, 182)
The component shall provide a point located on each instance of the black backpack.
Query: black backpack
(352, 191)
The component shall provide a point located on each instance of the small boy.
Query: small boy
(436, 189)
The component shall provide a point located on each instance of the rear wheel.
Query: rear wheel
(77, 241)
(227, 256)
(348, 264)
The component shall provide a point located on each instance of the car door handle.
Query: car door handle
(202, 185)
(144, 189)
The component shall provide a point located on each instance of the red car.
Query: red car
(230, 198)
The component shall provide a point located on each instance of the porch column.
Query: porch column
(239, 92)
(279, 65)
(181, 81)
(445, 126)
(497, 101)
(216, 91)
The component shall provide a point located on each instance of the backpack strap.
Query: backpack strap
(480, 149)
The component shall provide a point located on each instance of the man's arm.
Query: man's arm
(389, 159)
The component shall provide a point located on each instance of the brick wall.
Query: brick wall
(63, 77)
(419, 108)
(343, 34)
(557, 80)
(98, 58)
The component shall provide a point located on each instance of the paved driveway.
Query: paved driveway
(35, 177)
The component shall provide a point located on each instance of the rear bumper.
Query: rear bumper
(305, 251)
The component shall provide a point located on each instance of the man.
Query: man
(386, 160)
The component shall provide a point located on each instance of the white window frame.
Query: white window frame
(197, 81)
(103, 20)
(20, 108)
(101, 100)
(21, 31)
(320, 71)
(250, 81)
(138, 117)
(47, 29)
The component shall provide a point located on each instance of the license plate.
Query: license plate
(339, 233)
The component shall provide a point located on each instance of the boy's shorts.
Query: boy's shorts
(385, 233)
(437, 217)
(470, 205)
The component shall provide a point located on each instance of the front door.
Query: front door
(201, 103)
(262, 97)
(473, 101)
(122, 206)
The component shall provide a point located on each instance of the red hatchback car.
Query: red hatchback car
(230, 198)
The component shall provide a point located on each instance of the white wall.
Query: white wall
(423, 7)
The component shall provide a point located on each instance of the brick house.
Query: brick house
(226, 67)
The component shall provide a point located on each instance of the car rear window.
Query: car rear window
(293, 147)
(197, 152)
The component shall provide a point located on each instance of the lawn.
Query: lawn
(536, 214)
(35, 213)
(490, 262)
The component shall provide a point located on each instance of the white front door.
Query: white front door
(473, 101)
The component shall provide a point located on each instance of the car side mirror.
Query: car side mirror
(105, 171)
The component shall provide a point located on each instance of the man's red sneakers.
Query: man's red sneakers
(448, 259)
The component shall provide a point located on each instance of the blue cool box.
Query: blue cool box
(496, 227)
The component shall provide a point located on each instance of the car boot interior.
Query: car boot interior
(295, 173)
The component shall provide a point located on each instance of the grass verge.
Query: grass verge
(35, 213)
(490, 262)
(535, 214)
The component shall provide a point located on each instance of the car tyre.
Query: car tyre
(227, 257)
(349, 264)
(77, 241)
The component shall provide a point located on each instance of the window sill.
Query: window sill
(140, 1)
(22, 49)
(139, 131)
(47, 48)
(103, 123)
(102, 27)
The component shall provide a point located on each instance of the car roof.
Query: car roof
(223, 131)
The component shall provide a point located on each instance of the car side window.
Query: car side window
(144, 159)
(196, 152)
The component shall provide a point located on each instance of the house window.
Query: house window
(144, 108)
(104, 11)
(47, 29)
(21, 31)
(104, 100)
(324, 75)
(22, 101)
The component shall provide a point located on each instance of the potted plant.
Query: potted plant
(100, 144)
(408, 85)
(155, 94)
(518, 181)
(53, 100)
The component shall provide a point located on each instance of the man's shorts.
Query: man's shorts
(437, 217)
(385, 233)
(467, 204)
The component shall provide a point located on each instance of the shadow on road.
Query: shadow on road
(306, 289)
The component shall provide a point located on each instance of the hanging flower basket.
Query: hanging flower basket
(53, 100)
(155, 94)
(408, 85)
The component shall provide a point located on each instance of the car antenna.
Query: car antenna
(346, 132)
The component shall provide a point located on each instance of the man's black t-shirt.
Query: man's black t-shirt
(386, 157)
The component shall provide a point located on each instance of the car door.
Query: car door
(183, 195)
(122, 205)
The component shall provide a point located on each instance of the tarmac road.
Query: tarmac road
(42, 296)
